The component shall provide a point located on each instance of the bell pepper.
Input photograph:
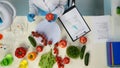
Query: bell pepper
(32, 56)
(20, 52)
(23, 64)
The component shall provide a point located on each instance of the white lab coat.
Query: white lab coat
(47, 5)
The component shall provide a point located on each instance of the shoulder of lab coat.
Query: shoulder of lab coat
(32, 8)
(60, 8)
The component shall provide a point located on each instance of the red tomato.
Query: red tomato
(56, 51)
(50, 16)
(83, 39)
(50, 42)
(66, 60)
(39, 48)
(61, 66)
(62, 43)
(56, 44)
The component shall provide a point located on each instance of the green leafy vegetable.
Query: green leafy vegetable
(73, 52)
(47, 60)
(82, 51)
(86, 60)
(32, 41)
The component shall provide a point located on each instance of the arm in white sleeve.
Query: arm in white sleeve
(60, 8)
(32, 8)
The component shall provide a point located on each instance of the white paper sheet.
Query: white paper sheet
(101, 27)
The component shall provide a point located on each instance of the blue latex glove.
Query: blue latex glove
(41, 11)
(55, 18)
(1, 21)
(31, 17)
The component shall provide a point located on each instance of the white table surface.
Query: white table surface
(12, 39)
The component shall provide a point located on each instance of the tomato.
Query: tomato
(50, 42)
(61, 66)
(56, 51)
(39, 48)
(62, 43)
(50, 16)
(66, 60)
(56, 44)
(83, 39)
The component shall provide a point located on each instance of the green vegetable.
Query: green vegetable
(32, 41)
(47, 60)
(86, 60)
(118, 10)
(73, 52)
(82, 51)
(8, 59)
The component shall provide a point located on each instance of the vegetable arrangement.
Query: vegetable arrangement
(47, 60)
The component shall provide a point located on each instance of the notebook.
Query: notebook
(113, 54)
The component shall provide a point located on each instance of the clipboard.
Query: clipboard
(74, 23)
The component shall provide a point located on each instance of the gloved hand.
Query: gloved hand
(31, 17)
(1, 21)
(55, 18)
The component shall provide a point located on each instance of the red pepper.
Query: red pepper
(20, 52)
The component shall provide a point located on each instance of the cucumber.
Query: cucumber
(32, 41)
(82, 51)
(86, 60)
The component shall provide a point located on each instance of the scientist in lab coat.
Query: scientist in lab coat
(43, 7)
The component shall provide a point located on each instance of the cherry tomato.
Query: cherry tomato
(50, 16)
(62, 43)
(66, 60)
(50, 42)
(56, 51)
(39, 48)
(83, 39)
(61, 66)
(56, 44)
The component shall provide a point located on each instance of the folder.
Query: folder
(113, 54)
(74, 23)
